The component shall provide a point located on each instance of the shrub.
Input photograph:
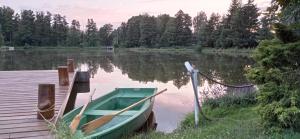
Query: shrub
(231, 99)
(277, 74)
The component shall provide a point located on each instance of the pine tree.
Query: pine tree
(1, 37)
(105, 35)
(59, 30)
(25, 34)
(183, 31)
(91, 34)
(211, 30)
(120, 37)
(6, 20)
(199, 23)
(74, 34)
(264, 33)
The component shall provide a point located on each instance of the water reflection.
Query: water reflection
(133, 69)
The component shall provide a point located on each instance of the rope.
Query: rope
(46, 110)
(227, 85)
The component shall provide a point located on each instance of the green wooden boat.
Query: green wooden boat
(123, 124)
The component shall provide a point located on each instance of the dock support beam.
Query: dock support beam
(63, 75)
(70, 63)
(46, 101)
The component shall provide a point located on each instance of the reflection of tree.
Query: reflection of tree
(105, 64)
(144, 67)
(155, 66)
(92, 67)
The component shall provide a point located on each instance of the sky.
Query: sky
(117, 11)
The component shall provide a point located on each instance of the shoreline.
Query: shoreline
(171, 50)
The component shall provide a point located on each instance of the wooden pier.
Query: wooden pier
(18, 102)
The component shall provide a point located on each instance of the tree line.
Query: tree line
(239, 28)
(46, 29)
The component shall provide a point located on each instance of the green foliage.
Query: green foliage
(1, 37)
(91, 34)
(148, 31)
(183, 22)
(264, 33)
(277, 74)
(285, 34)
(105, 35)
(228, 123)
(62, 131)
(231, 99)
(74, 34)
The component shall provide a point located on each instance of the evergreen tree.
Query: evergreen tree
(1, 37)
(59, 30)
(148, 31)
(120, 37)
(74, 34)
(133, 32)
(211, 30)
(183, 31)
(169, 36)
(91, 36)
(200, 22)
(25, 34)
(6, 20)
(264, 33)
(105, 37)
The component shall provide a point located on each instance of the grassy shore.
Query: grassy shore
(167, 50)
(227, 123)
(232, 117)
(179, 50)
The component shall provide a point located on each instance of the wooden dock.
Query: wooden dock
(18, 103)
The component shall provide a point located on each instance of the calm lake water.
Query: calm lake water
(110, 70)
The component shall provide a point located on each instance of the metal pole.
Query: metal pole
(194, 75)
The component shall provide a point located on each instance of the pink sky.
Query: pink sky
(117, 11)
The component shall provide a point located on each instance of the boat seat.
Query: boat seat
(107, 112)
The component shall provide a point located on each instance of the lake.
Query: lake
(121, 68)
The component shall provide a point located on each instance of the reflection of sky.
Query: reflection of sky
(169, 108)
(117, 11)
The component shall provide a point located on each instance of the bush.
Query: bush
(277, 74)
(199, 49)
(231, 99)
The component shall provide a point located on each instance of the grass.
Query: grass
(229, 51)
(227, 123)
(194, 49)
(235, 117)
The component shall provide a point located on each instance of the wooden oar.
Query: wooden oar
(74, 124)
(92, 125)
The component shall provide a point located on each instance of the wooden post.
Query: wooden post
(70, 63)
(46, 101)
(63, 75)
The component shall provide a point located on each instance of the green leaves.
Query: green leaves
(275, 72)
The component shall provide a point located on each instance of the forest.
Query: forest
(242, 27)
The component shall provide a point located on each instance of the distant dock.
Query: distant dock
(19, 100)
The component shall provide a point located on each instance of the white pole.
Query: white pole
(194, 75)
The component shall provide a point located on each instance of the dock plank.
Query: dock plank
(18, 102)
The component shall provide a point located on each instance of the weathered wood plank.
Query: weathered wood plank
(18, 102)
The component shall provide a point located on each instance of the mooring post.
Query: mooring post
(63, 75)
(194, 78)
(70, 63)
(46, 101)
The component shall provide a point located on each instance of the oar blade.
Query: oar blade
(92, 125)
(74, 124)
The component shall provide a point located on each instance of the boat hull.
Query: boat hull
(123, 124)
